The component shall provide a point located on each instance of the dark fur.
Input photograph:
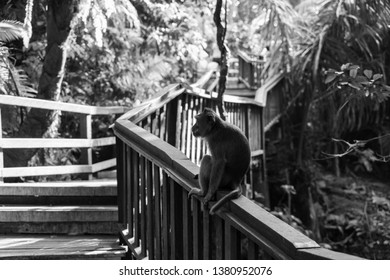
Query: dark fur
(228, 161)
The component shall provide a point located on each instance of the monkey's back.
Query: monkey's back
(232, 145)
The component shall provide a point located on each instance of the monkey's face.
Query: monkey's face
(203, 126)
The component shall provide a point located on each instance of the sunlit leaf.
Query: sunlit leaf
(368, 73)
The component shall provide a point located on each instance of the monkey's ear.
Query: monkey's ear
(210, 115)
(210, 118)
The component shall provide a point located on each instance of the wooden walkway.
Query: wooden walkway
(59, 220)
(60, 247)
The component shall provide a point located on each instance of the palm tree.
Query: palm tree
(13, 81)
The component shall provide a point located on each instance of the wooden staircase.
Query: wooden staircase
(66, 220)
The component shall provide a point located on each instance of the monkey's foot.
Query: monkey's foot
(197, 192)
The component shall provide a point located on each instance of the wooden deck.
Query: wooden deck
(60, 247)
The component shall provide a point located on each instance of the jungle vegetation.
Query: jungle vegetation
(334, 146)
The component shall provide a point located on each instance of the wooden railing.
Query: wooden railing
(171, 115)
(158, 221)
(86, 143)
(250, 70)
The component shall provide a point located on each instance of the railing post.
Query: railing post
(120, 150)
(172, 122)
(86, 132)
(1, 150)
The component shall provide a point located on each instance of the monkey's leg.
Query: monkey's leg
(216, 175)
(203, 177)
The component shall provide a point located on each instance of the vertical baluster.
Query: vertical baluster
(176, 222)
(143, 207)
(184, 125)
(253, 250)
(179, 110)
(196, 225)
(231, 241)
(1, 150)
(157, 209)
(189, 125)
(136, 198)
(121, 182)
(206, 234)
(86, 132)
(171, 119)
(129, 189)
(165, 218)
(149, 210)
(219, 237)
(187, 226)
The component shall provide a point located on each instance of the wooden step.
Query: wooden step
(58, 213)
(71, 188)
(60, 247)
(98, 192)
(70, 220)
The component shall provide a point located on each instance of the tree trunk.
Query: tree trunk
(39, 122)
(221, 33)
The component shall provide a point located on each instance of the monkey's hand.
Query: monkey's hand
(197, 192)
(207, 198)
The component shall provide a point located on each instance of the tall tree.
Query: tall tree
(221, 35)
(38, 122)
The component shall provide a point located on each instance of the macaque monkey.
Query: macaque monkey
(225, 167)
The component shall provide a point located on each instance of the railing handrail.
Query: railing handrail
(249, 59)
(171, 92)
(62, 106)
(86, 142)
(278, 238)
(269, 84)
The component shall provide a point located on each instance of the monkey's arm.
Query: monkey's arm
(217, 171)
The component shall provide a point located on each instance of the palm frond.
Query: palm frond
(14, 81)
(12, 30)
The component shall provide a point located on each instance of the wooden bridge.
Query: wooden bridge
(143, 212)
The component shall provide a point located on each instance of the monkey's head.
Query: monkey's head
(205, 122)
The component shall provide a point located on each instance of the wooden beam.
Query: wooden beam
(62, 106)
(33, 143)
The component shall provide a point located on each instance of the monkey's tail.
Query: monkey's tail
(229, 196)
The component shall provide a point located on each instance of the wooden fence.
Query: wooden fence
(158, 221)
(171, 115)
(86, 142)
(250, 70)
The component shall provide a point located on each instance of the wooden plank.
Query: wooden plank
(102, 187)
(231, 241)
(281, 234)
(1, 149)
(266, 245)
(61, 106)
(150, 209)
(136, 179)
(157, 209)
(165, 218)
(323, 254)
(59, 247)
(253, 250)
(33, 143)
(143, 207)
(171, 122)
(129, 185)
(86, 132)
(176, 221)
(45, 170)
(58, 213)
(196, 213)
(219, 237)
(99, 166)
(187, 226)
(206, 235)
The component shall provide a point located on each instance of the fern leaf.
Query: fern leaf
(12, 30)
